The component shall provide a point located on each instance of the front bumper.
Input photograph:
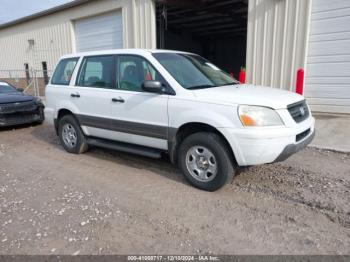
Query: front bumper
(293, 148)
(24, 117)
(255, 146)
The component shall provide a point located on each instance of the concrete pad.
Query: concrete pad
(332, 132)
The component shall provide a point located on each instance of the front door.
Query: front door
(138, 117)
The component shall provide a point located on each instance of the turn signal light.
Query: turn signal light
(247, 121)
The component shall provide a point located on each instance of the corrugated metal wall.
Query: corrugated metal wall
(327, 82)
(54, 34)
(99, 32)
(140, 21)
(50, 42)
(276, 41)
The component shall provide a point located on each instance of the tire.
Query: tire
(205, 161)
(71, 136)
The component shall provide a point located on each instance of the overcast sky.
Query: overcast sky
(14, 9)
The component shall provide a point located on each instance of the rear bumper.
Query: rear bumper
(49, 115)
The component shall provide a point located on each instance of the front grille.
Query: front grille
(18, 118)
(302, 135)
(299, 111)
(18, 107)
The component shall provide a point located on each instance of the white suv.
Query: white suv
(151, 102)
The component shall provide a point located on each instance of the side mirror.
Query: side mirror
(152, 86)
(20, 89)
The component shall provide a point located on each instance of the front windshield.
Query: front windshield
(6, 88)
(193, 71)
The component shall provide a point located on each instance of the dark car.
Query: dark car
(17, 107)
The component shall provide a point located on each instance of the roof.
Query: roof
(44, 13)
(132, 51)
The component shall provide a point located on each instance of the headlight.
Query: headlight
(38, 100)
(259, 116)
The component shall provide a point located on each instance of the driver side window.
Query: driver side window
(133, 71)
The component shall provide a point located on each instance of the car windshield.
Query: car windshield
(6, 88)
(193, 71)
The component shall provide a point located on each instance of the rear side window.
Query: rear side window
(97, 72)
(64, 71)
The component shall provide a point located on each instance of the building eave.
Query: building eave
(44, 13)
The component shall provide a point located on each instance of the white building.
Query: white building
(271, 38)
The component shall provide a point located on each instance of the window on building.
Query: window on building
(97, 72)
(46, 76)
(133, 71)
(64, 71)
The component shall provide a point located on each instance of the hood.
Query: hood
(15, 97)
(249, 95)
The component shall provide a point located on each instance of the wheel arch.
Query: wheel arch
(61, 113)
(177, 135)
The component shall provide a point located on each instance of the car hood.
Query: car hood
(245, 94)
(15, 97)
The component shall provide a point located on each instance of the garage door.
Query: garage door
(327, 83)
(99, 32)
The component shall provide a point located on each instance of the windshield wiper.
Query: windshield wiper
(200, 86)
(232, 83)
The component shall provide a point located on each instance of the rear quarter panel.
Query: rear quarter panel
(57, 97)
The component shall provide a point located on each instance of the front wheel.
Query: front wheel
(205, 161)
(71, 136)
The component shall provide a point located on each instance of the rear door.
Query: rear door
(136, 116)
(92, 94)
(58, 89)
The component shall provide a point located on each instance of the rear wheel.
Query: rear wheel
(205, 161)
(71, 136)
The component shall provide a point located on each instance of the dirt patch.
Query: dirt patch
(106, 202)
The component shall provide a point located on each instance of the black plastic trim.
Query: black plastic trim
(302, 135)
(294, 111)
(172, 144)
(293, 148)
(141, 129)
(125, 147)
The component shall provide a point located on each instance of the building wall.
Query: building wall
(327, 80)
(277, 41)
(50, 42)
(54, 34)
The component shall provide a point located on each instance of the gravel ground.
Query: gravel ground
(106, 202)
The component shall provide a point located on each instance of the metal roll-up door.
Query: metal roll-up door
(99, 32)
(327, 82)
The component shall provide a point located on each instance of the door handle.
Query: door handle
(75, 95)
(118, 100)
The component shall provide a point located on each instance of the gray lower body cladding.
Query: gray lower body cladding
(154, 131)
(293, 148)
